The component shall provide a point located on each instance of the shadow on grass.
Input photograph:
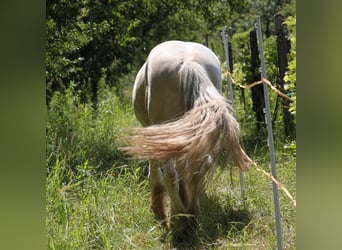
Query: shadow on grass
(216, 221)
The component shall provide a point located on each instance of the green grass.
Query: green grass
(110, 210)
(99, 211)
(97, 199)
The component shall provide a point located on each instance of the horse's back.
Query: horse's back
(165, 95)
(168, 57)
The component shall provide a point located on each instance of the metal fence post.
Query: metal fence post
(231, 96)
(270, 136)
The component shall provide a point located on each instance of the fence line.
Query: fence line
(281, 186)
(263, 80)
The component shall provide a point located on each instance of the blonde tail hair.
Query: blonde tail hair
(208, 130)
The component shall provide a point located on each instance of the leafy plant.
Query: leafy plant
(290, 77)
(79, 133)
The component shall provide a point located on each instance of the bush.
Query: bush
(79, 132)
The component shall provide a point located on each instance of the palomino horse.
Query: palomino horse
(188, 126)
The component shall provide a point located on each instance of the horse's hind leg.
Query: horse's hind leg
(171, 180)
(157, 192)
(180, 221)
(183, 193)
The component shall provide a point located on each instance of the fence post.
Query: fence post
(270, 137)
(231, 96)
(253, 76)
(283, 47)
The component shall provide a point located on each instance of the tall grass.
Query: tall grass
(106, 210)
(97, 199)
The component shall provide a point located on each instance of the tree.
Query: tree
(86, 40)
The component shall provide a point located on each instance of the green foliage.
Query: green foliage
(88, 39)
(290, 77)
(78, 133)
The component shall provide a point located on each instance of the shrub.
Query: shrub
(79, 132)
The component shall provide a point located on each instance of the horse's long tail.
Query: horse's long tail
(207, 131)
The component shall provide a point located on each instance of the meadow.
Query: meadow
(98, 198)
